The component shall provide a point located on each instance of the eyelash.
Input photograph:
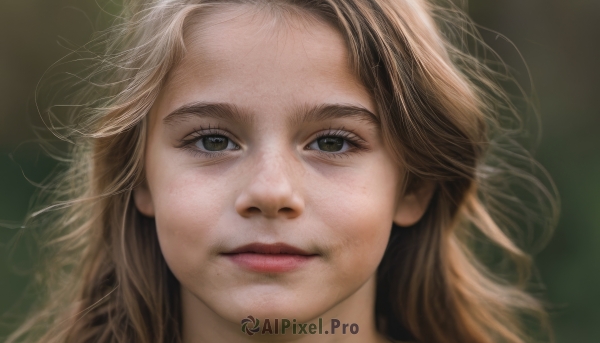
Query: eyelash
(356, 143)
(198, 134)
(190, 140)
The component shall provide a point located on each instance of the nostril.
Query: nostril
(260, 202)
(254, 210)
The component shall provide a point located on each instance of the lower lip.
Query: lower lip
(270, 263)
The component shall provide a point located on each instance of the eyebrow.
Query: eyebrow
(302, 114)
(207, 109)
(324, 112)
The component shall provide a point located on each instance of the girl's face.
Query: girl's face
(271, 187)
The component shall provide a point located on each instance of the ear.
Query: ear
(143, 199)
(412, 205)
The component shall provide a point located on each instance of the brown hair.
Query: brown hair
(443, 114)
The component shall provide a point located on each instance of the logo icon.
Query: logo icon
(250, 325)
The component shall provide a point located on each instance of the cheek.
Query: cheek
(187, 213)
(358, 212)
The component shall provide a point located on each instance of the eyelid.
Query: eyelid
(341, 132)
(209, 131)
(356, 142)
(189, 141)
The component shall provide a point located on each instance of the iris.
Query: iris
(215, 143)
(330, 144)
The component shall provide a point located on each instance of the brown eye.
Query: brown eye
(215, 143)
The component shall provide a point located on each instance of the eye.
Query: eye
(330, 144)
(215, 143)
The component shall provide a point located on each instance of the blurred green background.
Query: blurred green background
(558, 39)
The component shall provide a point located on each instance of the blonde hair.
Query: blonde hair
(447, 279)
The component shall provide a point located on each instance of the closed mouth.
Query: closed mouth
(269, 249)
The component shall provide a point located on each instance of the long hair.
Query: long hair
(459, 275)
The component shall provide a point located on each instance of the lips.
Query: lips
(269, 249)
(269, 258)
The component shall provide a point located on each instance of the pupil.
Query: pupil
(215, 143)
(330, 143)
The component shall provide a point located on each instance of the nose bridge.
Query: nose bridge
(273, 168)
(271, 186)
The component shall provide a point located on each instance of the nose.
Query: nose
(271, 189)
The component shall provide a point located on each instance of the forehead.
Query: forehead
(246, 55)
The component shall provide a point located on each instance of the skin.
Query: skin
(272, 183)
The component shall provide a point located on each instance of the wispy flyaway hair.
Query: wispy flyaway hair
(460, 275)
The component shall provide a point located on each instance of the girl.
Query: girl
(284, 170)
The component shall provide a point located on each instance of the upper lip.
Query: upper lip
(262, 248)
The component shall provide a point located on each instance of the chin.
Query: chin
(290, 306)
